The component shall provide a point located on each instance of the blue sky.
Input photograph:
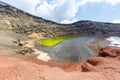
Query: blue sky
(69, 11)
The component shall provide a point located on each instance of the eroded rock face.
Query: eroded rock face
(16, 67)
(110, 51)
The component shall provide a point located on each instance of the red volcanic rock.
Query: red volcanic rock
(102, 67)
(110, 51)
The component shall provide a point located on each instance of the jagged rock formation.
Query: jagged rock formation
(13, 19)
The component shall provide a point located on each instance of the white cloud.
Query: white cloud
(61, 11)
(65, 11)
(113, 2)
(27, 5)
(116, 21)
(58, 10)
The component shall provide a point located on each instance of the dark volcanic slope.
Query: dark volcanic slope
(97, 28)
(13, 19)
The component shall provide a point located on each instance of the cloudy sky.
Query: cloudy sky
(68, 11)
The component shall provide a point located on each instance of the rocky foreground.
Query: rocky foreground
(105, 66)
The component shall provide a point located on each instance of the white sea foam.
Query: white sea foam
(114, 41)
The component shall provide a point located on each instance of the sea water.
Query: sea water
(114, 41)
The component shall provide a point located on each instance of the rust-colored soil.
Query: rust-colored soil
(106, 66)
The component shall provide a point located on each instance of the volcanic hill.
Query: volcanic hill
(16, 20)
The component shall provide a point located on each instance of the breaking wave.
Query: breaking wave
(114, 41)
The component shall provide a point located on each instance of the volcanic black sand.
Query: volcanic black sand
(73, 49)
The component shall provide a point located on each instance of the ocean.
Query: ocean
(114, 41)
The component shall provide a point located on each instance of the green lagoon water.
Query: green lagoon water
(54, 40)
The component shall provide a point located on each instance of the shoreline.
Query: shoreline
(77, 49)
